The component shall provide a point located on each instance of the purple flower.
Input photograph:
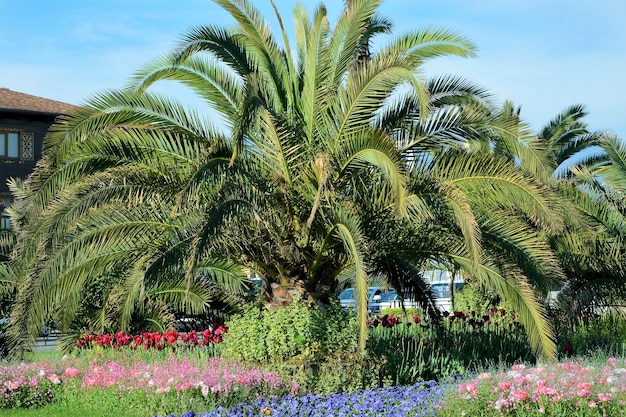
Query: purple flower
(416, 401)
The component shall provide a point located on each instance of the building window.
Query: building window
(5, 202)
(15, 144)
(9, 144)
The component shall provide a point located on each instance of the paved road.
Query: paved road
(46, 344)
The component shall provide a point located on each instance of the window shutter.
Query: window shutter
(28, 146)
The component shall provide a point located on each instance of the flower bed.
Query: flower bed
(153, 382)
(416, 400)
(28, 384)
(154, 340)
(411, 348)
(174, 382)
(574, 388)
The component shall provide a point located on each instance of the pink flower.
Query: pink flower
(54, 378)
(12, 385)
(520, 395)
(71, 372)
(163, 390)
(592, 404)
(584, 393)
(604, 396)
(469, 389)
(504, 386)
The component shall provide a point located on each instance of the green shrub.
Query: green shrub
(400, 312)
(317, 347)
(605, 334)
(477, 299)
(312, 344)
(301, 334)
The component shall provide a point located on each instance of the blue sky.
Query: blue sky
(544, 55)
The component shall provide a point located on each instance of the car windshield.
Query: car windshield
(392, 296)
(347, 294)
(441, 290)
(371, 291)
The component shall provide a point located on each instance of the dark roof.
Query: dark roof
(14, 101)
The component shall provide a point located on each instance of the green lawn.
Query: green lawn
(61, 410)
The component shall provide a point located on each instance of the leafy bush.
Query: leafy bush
(399, 311)
(300, 334)
(477, 299)
(605, 333)
(312, 344)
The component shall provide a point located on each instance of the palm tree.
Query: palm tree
(147, 193)
(324, 175)
(593, 253)
(589, 250)
(569, 141)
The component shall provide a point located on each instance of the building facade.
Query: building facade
(24, 123)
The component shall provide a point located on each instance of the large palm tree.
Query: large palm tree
(585, 174)
(316, 179)
(139, 192)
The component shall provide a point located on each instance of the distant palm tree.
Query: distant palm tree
(569, 141)
(593, 253)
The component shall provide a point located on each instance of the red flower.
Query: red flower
(171, 336)
(192, 338)
(219, 329)
(104, 339)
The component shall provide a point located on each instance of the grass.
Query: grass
(62, 410)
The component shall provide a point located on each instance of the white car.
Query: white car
(442, 295)
(440, 290)
(392, 300)
(374, 295)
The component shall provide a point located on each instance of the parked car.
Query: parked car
(374, 295)
(392, 300)
(443, 301)
(379, 298)
(442, 295)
